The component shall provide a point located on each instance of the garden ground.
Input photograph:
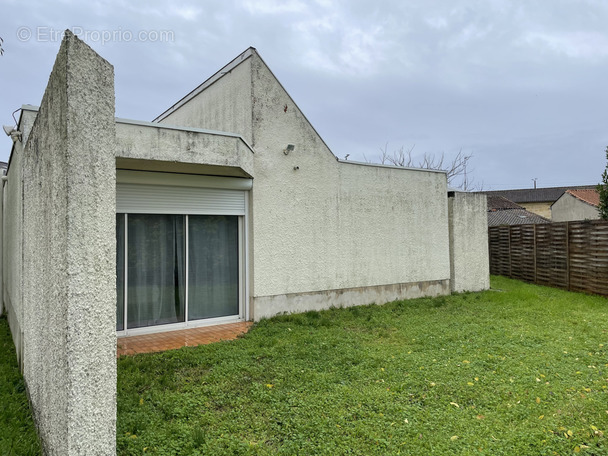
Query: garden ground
(519, 369)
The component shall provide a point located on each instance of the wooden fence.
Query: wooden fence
(569, 255)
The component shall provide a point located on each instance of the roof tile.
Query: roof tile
(589, 196)
(535, 195)
(514, 217)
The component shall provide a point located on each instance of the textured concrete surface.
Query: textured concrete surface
(224, 105)
(68, 250)
(12, 236)
(469, 257)
(318, 224)
(268, 306)
(142, 145)
(568, 208)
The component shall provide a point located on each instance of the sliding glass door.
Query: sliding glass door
(174, 269)
(213, 266)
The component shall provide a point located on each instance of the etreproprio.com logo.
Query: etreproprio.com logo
(45, 34)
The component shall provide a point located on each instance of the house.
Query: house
(502, 211)
(576, 204)
(228, 207)
(537, 200)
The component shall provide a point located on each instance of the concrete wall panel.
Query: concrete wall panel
(68, 250)
(469, 260)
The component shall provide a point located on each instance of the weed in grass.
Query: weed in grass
(198, 437)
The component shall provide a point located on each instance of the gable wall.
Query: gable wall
(336, 225)
(542, 208)
(324, 232)
(225, 105)
(568, 208)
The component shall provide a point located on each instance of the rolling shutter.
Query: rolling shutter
(160, 198)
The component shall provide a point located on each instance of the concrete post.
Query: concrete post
(469, 257)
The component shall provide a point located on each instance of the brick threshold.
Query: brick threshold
(171, 340)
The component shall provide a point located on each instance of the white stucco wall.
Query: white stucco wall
(568, 208)
(224, 105)
(67, 278)
(470, 267)
(12, 235)
(319, 224)
(334, 225)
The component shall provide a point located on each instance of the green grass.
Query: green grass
(517, 370)
(17, 432)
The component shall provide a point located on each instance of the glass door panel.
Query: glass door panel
(120, 272)
(156, 270)
(213, 266)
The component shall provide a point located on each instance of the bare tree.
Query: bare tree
(457, 169)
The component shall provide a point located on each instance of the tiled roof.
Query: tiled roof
(514, 217)
(3, 165)
(500, 203)
(535, 195)
(589, 196)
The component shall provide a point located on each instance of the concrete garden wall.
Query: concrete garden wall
(470, 268)
(59, 262)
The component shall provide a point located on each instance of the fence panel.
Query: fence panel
(552, 254)
(522, 253)
(500, 263)
(569, 255)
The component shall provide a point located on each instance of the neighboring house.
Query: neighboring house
(537, 200)
(228, 207)
(502, 211)
(576, 204)
(3, 166)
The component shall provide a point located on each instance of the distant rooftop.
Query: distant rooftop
(536, 195)
(514, 217)
(589, 196)
(500, 203)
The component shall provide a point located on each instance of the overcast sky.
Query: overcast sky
(522, 85)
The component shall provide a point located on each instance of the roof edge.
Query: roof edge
(380, 165)
(209, 81)
(574, 195)
(294, 103)
(24, 107)
(144, 123)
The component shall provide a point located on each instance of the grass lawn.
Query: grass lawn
(517, 370)
(17, 432)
